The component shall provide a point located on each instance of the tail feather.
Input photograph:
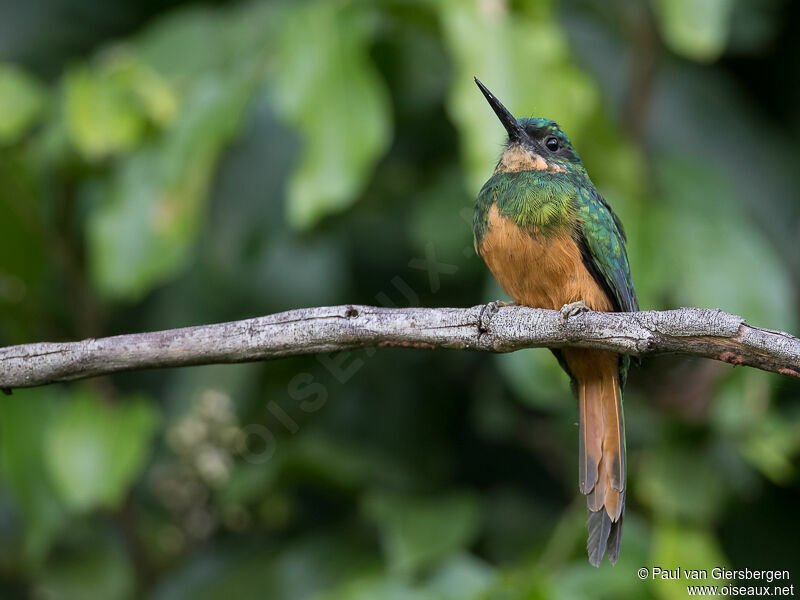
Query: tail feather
(615, 537)
(590, 443)
(614, 428)
(599, 525)
(602, 461)
(596, 498)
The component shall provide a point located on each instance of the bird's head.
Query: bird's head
(534, 144)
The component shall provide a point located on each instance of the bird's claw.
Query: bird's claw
(489, 311)
(570, 310)
(495, 304)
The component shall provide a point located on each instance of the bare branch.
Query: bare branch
(692, 331)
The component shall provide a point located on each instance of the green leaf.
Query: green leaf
(94, 450)
(680, 482)
(177, 45)
(23, 247)
(22, 101)
(462, 577)
(157, 99)
(102, 117)
(696, 29)
(299, 568)
(676, 547)
(335, 463)
(578, 580)
(512, 54)
(444, 201)
(380, 588)
(417, 533)
(771, 447)
(149, 214)
(333, 95)
(108, 107)
(537, 379)
(96, 568)
(709, 250)
(741, 400)
(27, 414)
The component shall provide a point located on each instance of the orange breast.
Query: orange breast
(538, 271)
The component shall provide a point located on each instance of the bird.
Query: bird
(551, 241)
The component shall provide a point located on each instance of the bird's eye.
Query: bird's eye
(551, 143)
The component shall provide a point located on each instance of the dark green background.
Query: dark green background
(171, 164)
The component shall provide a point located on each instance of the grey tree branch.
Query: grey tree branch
(692, 331)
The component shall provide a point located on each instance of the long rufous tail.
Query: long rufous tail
(602, 450)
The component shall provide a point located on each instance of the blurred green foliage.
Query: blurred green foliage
(167, 166)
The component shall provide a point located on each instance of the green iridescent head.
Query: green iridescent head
(534, 143)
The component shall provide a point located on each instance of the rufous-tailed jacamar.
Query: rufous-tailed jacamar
(551, 241)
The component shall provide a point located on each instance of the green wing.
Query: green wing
(602, 242)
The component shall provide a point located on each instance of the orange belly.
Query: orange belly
(539, 271)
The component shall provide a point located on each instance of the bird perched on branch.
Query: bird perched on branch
(551, 241)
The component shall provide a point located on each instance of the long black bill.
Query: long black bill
(515, 132)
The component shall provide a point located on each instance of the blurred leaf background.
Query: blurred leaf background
(165, 164)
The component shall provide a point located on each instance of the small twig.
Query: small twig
(692, 331)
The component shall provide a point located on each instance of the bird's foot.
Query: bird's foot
(495, 304)
(489, 311)
(570, 310)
